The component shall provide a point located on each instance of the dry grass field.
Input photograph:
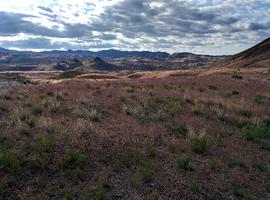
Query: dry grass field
(159, 137)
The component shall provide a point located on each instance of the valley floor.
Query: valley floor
(178, 137)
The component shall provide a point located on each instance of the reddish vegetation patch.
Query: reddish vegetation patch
(174, 138)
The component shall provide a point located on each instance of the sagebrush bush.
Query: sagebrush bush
(245, 113)
(172, 146)
(213, 165)
(267, 186)
(237, 76)
(46, 144)
(183, 162)
(11, 162)
(260, 99)
(178, 129)
(199, 144)
(36, 110)
(236, 162)
(2, 108)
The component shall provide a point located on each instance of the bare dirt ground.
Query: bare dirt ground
(159, 135)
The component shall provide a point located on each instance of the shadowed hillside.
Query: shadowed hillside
(257, 56)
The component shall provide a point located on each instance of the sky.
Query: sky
(216, 27)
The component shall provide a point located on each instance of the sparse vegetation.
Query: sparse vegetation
(236, 162)
(213, 165)
(10, 162)
(267, 186)
(36, 110)
(245, 113)
(183, 162)
(172, 145)
(136, 138)
(178, 129)
(260, 99)
(212, 87)
(237, 76)
(199, 144)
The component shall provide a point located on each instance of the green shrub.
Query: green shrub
(244, 124)
(253, 133)
(3, 184)
(74, 164)
(25, 131)
(151, 151)
(154, 102)
(265, 145)
(172, 146)
(86, 132)
(213, 165)
(2, 108)
(46, 144)
(194, 185)
(137, 155)
(258, 165)
(102, 189)
(74, 160)
(197, 110)
(260, 99)
(10, 162)
(237, 76)
(36, 110)
(121, 160)
(21, 96)
(245, 113)
(199, 145)
(212, 87)
(34, 164)
(147, 171)
(155, 196)
(235, 93)
(236, 162)
(107, 157)
(88, 194)
(123, 98)
(267, 186)
(239, 193)
(175, 108)
(183, 162)
(178, 129)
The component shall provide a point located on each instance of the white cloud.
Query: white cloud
(198, 26)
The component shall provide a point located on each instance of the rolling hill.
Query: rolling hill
(257, 56)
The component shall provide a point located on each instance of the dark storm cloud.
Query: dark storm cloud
(171, 18)
(259, 26)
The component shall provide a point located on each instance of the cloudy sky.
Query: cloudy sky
(199, 26)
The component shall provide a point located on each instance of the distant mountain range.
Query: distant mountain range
(11, 60)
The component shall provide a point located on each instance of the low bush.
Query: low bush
(213, 165)
(245, 113)
(183, 162)
(267, 186)
(260, 99)
(199, 145)
(236, 162)
(10, 162)
(237, 76)
(172, 146)
(212, 87)
(36, 110)
(178, 129)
